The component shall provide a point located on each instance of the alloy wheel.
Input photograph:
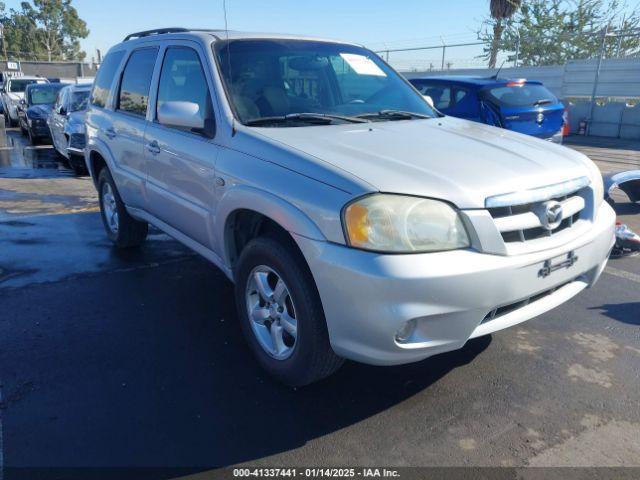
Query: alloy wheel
(271, 312)
(110, 208)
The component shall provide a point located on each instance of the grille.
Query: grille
(522, 223)
(512, 307)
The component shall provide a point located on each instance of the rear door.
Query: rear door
(126, 132)
(180, 161)
(526, 107)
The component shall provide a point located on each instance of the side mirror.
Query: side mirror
(181, 114)
(62, 111)
(429, 100)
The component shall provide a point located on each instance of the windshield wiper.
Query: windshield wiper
(544, 101)
(317, 118)
(394, 115)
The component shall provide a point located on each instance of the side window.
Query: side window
(136, 81)
(182, 79)
(104, 78)
(62, 99)
(440, 94)
(58, 100)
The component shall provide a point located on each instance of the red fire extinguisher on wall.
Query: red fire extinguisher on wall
(582, 127)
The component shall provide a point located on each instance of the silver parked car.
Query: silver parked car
(355, 221)
(66, 123)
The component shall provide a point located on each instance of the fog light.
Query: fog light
(406, 331)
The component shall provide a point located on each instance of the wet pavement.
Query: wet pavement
(111, 359)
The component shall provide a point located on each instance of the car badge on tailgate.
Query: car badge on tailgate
(550, 267)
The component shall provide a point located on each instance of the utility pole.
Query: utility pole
(603, 45)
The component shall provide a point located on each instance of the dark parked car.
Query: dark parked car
(34, 110)
(523, 106)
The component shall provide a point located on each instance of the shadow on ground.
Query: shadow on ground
(622, 312)
(155, 372)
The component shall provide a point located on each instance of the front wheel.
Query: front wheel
(122, 229)
(33, 141)
(281, 313)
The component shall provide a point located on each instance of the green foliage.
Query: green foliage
(551, 32)
(43, 30)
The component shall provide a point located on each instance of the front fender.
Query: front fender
(628, 182)
(285, 214)
(98, 146)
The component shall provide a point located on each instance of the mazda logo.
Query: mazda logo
(550, 214)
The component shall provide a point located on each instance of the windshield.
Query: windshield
(79, 101)
(521, 95)
(272, 78)
(19, 86)
(45, 95)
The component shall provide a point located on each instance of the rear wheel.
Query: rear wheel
(122, 229)
(281, 313)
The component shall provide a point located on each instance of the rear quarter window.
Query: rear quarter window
(521, 95)
(104, 78)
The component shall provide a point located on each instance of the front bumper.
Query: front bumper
(451, 296)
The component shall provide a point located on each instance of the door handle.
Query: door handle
(110, 133)
(153, 148)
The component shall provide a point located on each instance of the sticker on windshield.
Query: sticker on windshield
(362, 65)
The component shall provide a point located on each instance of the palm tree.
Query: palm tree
(501, 10)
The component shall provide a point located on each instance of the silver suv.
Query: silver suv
(354, 219)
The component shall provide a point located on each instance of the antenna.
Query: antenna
(495, 77)
(226, 31)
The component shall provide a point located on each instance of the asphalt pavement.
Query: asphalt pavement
(137, 360)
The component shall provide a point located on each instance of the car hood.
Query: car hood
(41, 111)
(448, 158)
(16, 96)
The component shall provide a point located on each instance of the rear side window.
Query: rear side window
(521, 95)
(183, 80)
(104, 79)
(136, 81)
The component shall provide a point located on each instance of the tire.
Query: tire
(33, 141)
(121, 228)
(309, 357)
(77, 165)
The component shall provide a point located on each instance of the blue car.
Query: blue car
(34, 109)
(523, 106)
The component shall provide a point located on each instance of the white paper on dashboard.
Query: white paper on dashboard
(362, 65)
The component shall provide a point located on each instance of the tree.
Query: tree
(552, 32)
(44, 29)
(501, 11)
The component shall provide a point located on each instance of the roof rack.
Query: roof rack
(160, 31)
(157, 31)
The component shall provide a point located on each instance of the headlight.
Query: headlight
(596, 182)
(399, 224)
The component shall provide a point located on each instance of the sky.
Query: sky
(378, 24)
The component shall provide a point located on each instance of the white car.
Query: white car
(12, 93)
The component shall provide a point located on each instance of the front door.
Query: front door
(181, 161)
